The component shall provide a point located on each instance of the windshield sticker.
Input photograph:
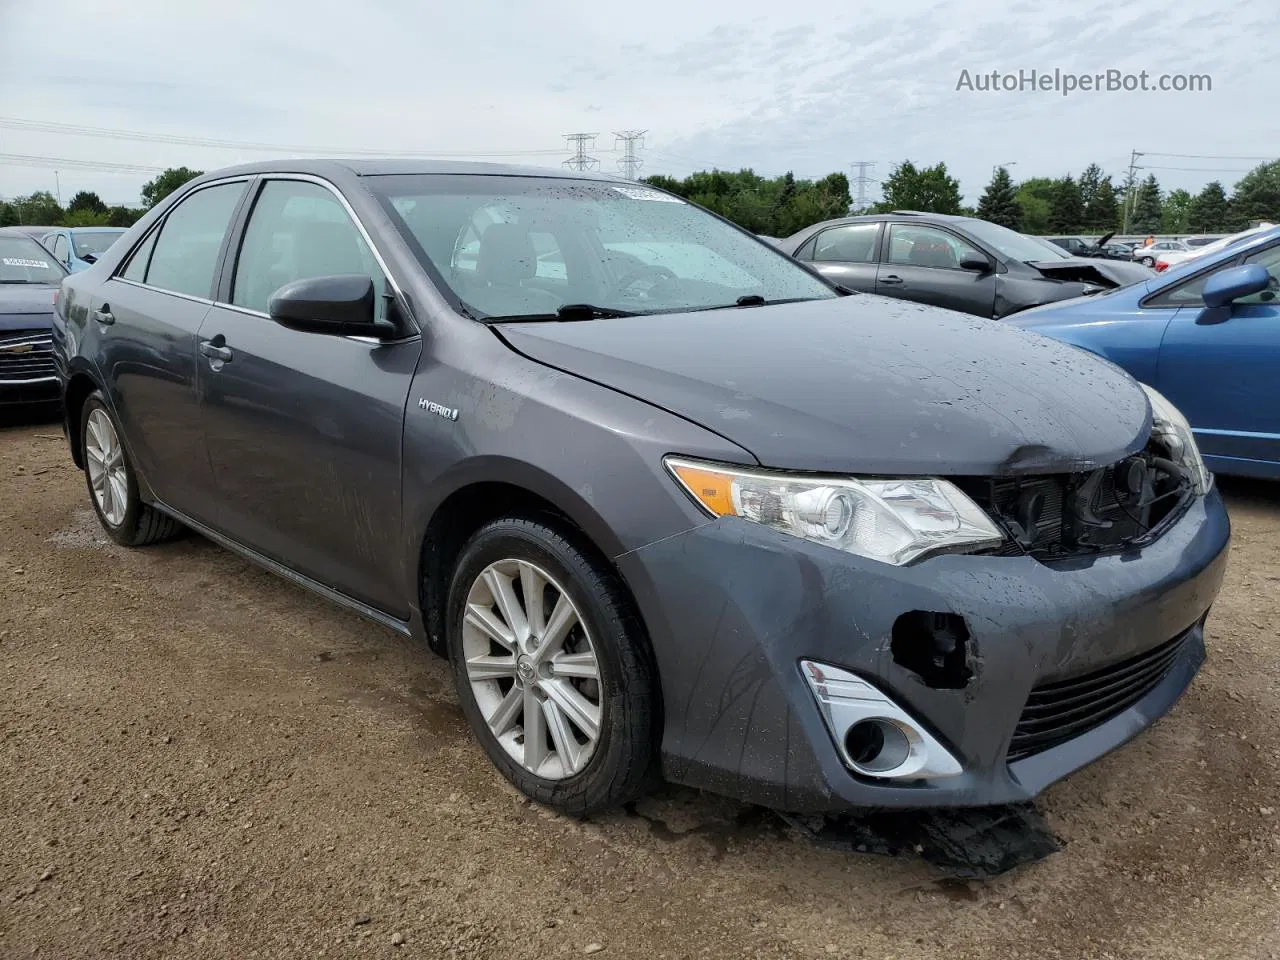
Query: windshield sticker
(20, 262)
(640, 193)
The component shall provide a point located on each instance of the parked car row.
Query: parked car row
(669, 500)
(961, 263)
(76, 248)
(29, 281)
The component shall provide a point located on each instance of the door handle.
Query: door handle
(103, 315)
(891, 280)
(215, 351)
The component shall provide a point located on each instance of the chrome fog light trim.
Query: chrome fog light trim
(889, 744)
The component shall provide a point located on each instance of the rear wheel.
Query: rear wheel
(1148, 261)
(551, 668)
(113, 485)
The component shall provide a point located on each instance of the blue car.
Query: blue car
(1206, 334)
(78, 248)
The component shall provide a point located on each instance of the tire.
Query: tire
(1148, 261)
(125, 518)
(575, 778)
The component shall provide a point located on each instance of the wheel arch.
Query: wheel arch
(80, 386)
(484, 489)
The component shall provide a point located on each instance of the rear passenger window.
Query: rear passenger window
(855, 243)
(137, 268)
(298, 230)
(185, 257)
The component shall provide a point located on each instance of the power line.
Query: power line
(1205, 156)
(79, 130)
(629, 163)
(53, 163)
(580, 142)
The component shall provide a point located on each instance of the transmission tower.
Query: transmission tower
(861, 181)
(580, 143)
(630, 163)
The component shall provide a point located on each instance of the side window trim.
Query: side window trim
(240, 224)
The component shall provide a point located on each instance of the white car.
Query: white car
(1148, 255)
(1174, 257)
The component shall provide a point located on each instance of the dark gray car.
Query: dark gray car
(961, 263)
(669, 501)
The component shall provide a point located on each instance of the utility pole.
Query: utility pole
(579, 143)
(630, 163)
(860, 182)
(1130, 183)
(57, 186)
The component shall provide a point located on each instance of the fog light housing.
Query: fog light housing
(875, 737)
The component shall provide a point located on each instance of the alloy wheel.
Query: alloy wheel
(532, 668)
(105, 459)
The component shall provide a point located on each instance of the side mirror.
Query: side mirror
(1229, 285)
(975, 261)
(340, 306)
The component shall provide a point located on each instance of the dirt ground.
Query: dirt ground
(200, 760)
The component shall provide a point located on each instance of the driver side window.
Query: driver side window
(298, 230)
(1269, 258)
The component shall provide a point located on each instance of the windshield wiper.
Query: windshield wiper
(569, 312)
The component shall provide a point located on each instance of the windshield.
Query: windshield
(527, 246)
(22, 260)
(1014, 245)
(96, 243)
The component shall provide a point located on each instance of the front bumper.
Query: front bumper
(732, 608)
(40, 390)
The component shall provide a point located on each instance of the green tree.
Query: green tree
(8, 215)
(1257, 196)
(1209, 211)
(1090, 183)
(1175, 214)
(1035, 197)
(39, 209)
(86, 202)
(123, 216)
(776, 207)
(928, 189)
(1146, 207)
(1066, 212)
(153, 191)
(1103, 213)
(999, 202)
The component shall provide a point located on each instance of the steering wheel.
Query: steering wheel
(658, 272)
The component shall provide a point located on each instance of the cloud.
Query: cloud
(749, 83)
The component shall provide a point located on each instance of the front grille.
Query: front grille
(1061, 516)
(1057, 712)
(25, 355)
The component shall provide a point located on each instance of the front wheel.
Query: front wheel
(1148, 261)
(551, 667)
(113, 485)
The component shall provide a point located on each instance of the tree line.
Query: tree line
(1092, 202)
(86, 208)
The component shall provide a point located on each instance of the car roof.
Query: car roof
(27, 231)
(394, 167)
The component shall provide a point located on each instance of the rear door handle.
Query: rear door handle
(103, 315)
(891, 279)
(215, 351)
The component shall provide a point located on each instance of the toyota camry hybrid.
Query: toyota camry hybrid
(671, 503)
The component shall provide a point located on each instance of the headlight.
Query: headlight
(894, 521)
(1170, 428)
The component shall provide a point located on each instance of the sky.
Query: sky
(749, 83)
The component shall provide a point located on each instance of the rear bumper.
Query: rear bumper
(733, 607)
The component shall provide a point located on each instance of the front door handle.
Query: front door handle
(215, 351)
(891, 280)
(103, 315)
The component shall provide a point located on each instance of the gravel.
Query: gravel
(198, 760)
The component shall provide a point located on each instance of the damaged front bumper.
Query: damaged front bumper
(1047, 658)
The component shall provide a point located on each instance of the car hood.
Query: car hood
(862, 384)
(1106, 273)
(25, 306)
